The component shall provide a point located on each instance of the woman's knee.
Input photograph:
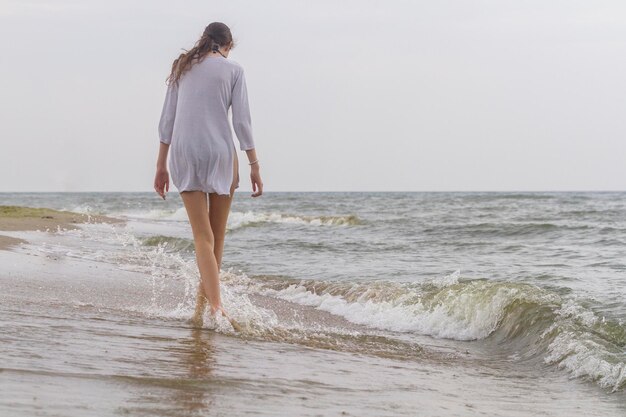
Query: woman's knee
(204, 236)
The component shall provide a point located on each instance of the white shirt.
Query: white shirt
(194, 122)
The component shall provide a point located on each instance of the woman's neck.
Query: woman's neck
(215, 53)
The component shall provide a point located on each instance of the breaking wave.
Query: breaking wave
(525, 320)
(236, 219)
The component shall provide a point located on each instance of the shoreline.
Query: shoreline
(364, 316)
(21, 218)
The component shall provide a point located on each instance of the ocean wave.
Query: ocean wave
(236, 220)
(250, 218)
(528, 320)
(179, 214)
(170, 242)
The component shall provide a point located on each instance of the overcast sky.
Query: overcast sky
(345, 95)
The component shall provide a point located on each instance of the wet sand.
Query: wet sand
(7, 241)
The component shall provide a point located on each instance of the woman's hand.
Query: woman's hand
(162, 182)
(255, 177)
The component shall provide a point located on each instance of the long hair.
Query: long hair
(215, 35)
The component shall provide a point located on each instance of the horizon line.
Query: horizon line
(343, 191)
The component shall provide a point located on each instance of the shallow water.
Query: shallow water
(352, 303)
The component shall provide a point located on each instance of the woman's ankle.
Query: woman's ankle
(217, 308)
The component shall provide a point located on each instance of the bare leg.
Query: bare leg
(219, 208)
(197, 210)
(218, 216)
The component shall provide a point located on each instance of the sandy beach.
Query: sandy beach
(18, 218)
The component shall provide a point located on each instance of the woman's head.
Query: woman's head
(215, 36)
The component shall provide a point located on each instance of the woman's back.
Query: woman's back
(194, 121)
(204, 96)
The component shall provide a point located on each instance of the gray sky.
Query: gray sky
(345, 95)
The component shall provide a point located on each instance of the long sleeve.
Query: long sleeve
(242, 122)
(168, 114)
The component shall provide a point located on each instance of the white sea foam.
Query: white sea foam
(83, 208)
(474, 310)
(236, 220)
(580, 350)
(179, 214)
(462, 312)
(583, 357)
(239, 219)
(445, 280)
(242, 219)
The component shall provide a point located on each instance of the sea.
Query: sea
(351, 304)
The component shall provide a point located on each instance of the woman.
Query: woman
(202, 86)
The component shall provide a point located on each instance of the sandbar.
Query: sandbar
(18, 218)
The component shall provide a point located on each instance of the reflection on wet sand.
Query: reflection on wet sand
(189, 393)
(198, 356)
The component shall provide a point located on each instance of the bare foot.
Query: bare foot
(232, 321)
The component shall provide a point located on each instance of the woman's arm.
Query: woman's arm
(255, 173)
(162, 177)
(166, 129)
(242, 124)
